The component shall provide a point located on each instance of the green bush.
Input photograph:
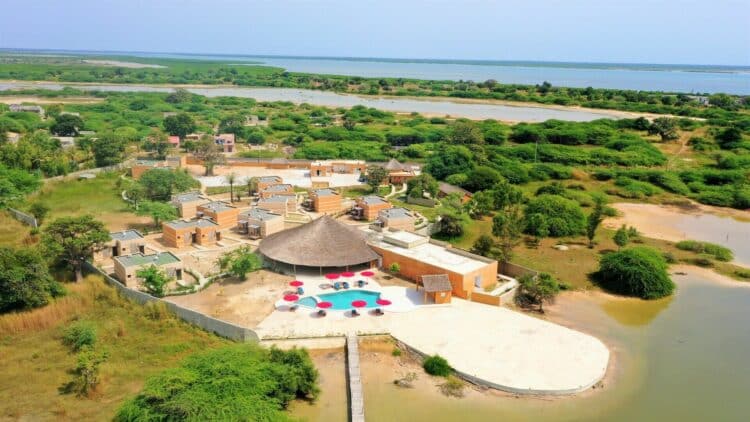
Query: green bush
(437, 365)
(553, 215)
(79, 335)
(240, 382)
(742, 274)
(718, 252)
(638, 271)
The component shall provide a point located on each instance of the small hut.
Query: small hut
(438, 287)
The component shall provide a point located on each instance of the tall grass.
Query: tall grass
(57, 312)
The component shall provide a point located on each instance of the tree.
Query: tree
(179, 96)
(234, 124)
(621, 237)
(108, 150)
(179, 124)
(536, 290)
(349, 123)
(450, 159)
(231, 178)
(729, 138)
(39, 210)
(484, 245)
(465, 133)
(86, 372)
(450, 225)
(25, 281)
(154, 280)
(73, 240)
(252, 185)
(424, 183)
(159, 143)
(394, 268)
(481, 178)
(554, 215)
(595, 218)
(375, 176)
(160, 184)
(665, 127)
(638, 271)
(507, 226)
(211, 154)
(136, 193)
(240, 261)
(158, 211)
(480, 204)
(67, 125)
(505, 194)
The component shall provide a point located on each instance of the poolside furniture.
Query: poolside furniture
(378, 312)
(321, 312)
(300, 291)
(346, 285)
(355, 312)
(293, 307)
(361, 283)
(337, 285)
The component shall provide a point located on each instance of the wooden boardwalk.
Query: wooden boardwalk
(356, 399)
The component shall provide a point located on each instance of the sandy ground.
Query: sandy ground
(296, 177)
(245, 303)
(130, 65)
(657, 221)
(55, 100)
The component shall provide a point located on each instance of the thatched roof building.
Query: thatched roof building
(324, 242)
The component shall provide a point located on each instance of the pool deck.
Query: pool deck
(488, 345)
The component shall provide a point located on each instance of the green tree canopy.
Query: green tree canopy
(158, 211)
(638, 271)
(553, 215)
(160, 184)
(424, 183)
(179, 124)
(73, 240)
(154, 280)
(536, 290)
(67, 125)
(464, 132)
(25, 281)
(109, 149)
(375, 176)
(450, 159)
(240, 261)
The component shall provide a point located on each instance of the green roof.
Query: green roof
(137, 260)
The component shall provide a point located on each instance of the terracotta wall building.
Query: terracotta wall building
(220, 213)
(329, 167)
(126, 267)
(419, 255)
(397, 219)
(280, 204)
(181, 233)
(187, 203)
(368, 207)
(277, 189)
(265, 182)
(258, 223)
(226, 141)
(325, 201)
(126, 242)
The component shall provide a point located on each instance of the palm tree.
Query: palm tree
(252, 185)
(231, 178)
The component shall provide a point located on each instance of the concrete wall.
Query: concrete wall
(23, 217)
(328, 204)
(220, 328)
(226, 219)
(425, 202)
(516, 271)
(485, 298)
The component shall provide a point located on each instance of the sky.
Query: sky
(634, 31)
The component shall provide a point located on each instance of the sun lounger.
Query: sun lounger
(346, 285)
(300, 291)
(355, 312)
(337, 285)
(293, 308)
(378, 311)
(361, 283)
(321, 313)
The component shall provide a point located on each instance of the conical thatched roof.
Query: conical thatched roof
(394, 165)
(324, 242)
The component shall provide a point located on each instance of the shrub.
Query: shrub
(553, 215)
(452, 387)
(719, 252)
(742, 274)
(239, 382)
(86, 372)
(437, 365)
(396, 352)
(79, 335)
(639, 271)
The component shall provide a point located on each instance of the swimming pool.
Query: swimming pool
(342, 300)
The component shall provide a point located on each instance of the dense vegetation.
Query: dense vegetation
(638, 271)
(241, 382)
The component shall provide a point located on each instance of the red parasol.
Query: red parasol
(367, 273)
(296, 283)
(324, 305)
(383, 302)
(359, 303)
(347, 274)
(291, 298)
(332, 276)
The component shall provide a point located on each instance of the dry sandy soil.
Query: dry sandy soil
(244, 303)
(118, 63)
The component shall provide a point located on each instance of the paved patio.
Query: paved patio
(494, 346)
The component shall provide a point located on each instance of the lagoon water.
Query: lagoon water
(512, 113)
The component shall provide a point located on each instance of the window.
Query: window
(478, 281)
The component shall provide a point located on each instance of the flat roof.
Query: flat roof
(278, 198)
(139, 259)
(429, 253)
(373, 200)
(259, 214)
(181, 224)
(188, 197)
(282, 187)
(217, 206)
(147, 162)
(325, 192)
(397, 212)
(269, 179)
(126, 235)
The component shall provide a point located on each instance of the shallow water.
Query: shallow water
(332, 99)
(682, 358)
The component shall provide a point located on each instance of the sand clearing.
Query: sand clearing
(130, 65)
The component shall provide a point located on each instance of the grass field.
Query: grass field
(35, 363)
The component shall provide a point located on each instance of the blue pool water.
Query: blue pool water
(343, 300)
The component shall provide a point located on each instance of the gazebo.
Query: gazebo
(438, 287)
(321, 243)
